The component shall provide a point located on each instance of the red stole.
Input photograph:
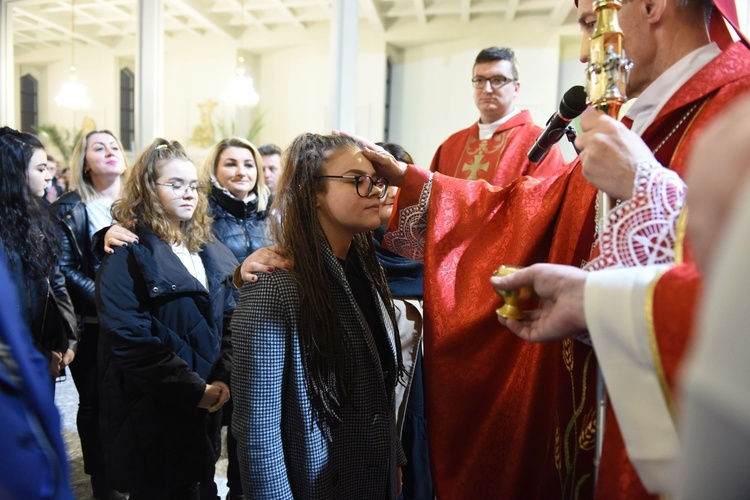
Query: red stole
(498, 160)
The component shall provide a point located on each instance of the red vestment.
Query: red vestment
(499, 159)
(714, 87)
(507, 418)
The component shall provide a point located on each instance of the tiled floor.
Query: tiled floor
(66, 399)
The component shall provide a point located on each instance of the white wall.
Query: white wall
(295, 88)
(431, 91)
(196, 70)
(432, 95)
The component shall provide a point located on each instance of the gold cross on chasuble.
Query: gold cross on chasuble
(475, 167)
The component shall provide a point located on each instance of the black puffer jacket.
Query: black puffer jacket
(162, 339)
(238, 225)
(77, 261)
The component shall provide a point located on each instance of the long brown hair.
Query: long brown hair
(140, 204)
(297, 229)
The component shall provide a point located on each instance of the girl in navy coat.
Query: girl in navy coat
(165, 355)
(317, 358)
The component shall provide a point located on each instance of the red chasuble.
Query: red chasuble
(507, 418)
(711, 90)
(499, 159)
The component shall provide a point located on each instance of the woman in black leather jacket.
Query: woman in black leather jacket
(96, 175)
(29, 238)
(238, 203)
(239, 198)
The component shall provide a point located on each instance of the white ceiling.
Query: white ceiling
(41, 24)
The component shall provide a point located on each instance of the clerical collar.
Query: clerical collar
(655, 96)
(486, 130)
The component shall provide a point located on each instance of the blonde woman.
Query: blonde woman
(238, 203)
(97, 170)
(239, 198)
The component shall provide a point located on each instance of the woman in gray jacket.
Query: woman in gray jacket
(316, 358)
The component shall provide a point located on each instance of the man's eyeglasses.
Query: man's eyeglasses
(363, 183)
(180, 188)
(496, 82)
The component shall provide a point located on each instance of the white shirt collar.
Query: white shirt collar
(652, 100)
(486, 130)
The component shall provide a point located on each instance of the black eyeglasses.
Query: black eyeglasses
(360, 181)
(180, 188)
(496, 82)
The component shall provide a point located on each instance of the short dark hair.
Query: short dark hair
(269, 150)
(491, 54)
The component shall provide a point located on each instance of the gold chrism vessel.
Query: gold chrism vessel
(514, 299)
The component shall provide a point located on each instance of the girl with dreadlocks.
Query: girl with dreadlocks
(316, 358)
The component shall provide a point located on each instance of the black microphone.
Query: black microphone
(572, 104)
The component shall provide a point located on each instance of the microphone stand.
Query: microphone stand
(570, 133)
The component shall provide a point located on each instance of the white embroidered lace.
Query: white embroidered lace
(409, 239)
(642, 230)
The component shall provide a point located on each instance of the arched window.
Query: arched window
(127, 108)
(29, 103)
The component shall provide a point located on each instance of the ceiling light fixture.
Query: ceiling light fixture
(240, 91)
(72, 93)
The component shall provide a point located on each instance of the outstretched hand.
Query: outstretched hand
(385, 164)
(560, 290)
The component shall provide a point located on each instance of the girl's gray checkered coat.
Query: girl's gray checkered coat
(282, 452)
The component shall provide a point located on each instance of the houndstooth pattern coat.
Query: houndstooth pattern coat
(282, 452)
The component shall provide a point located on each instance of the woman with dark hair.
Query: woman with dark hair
(97, 171)
(29, 238)
(165, 355)
(317, 359)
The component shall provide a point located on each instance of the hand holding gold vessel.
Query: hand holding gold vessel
(556, 294)
(514, 298)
